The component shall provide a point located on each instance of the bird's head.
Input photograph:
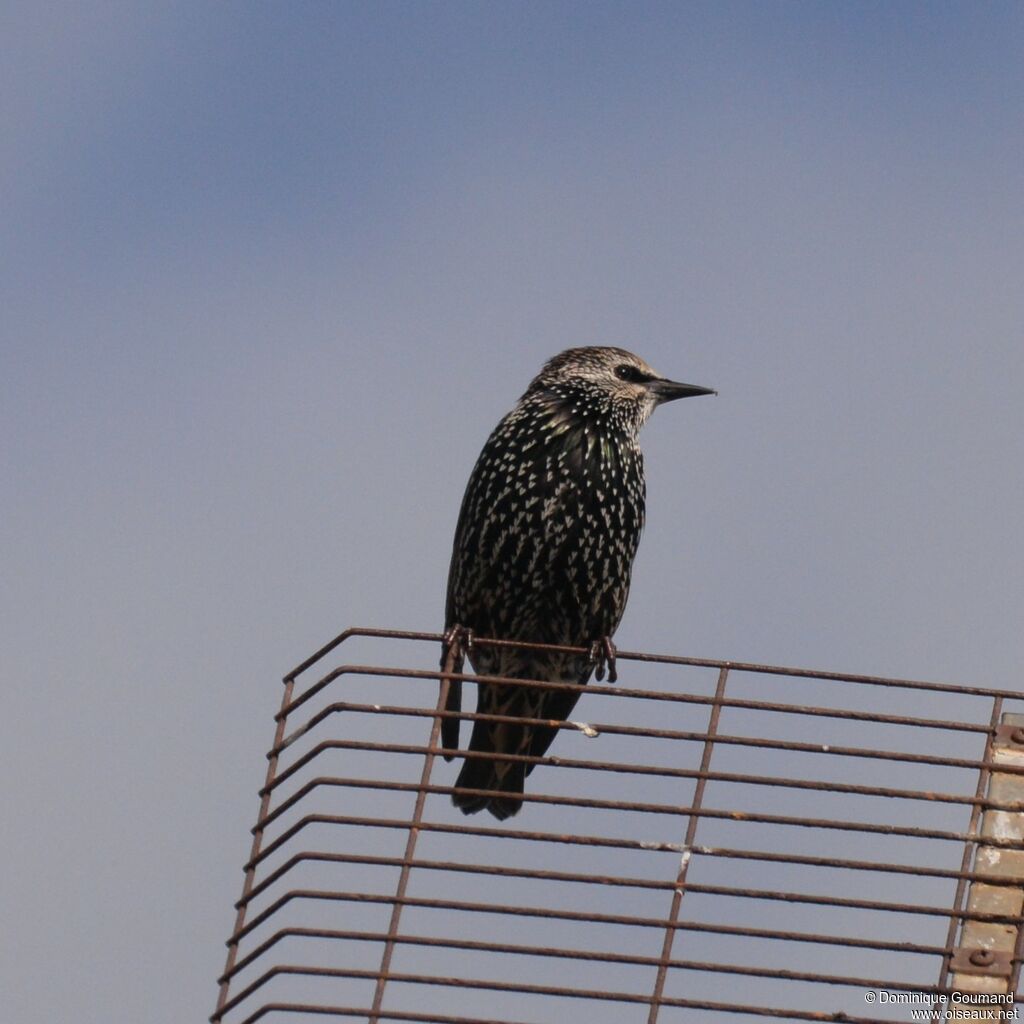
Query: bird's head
(608, 384)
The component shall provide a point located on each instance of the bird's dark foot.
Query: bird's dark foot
(457, 640)
(602, 653)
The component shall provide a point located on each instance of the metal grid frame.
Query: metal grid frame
(248, 975)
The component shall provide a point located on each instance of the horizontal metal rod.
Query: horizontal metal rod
(841, 863)
(673, 810)
(700, 927)
(495, 985)
(617, 881)
(353, 1011)
(359, 631)
(669, 659)
(427, 1018)
(592, 956)
(470, 830)
(624, 768)
(614, 729)
(714, 890)
(627, 693)
(498, 870)
(483, 830)
(595, 917)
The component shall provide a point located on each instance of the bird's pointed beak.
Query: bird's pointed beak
(670, 390)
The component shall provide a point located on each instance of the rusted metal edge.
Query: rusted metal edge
(791, 821)
(630, 693)
(697, 927)
(669, 659)
(661, 771)
(714, 890)
(614, 729)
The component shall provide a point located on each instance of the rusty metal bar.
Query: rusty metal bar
(254, 852)
(671, 659)
(634, 769)
(1016, 960)
(619, 880)
(685, 1004)
(594, 917)
(669, 734)
(625, 768)
(584, 956)
(354, 1011)
(972, 829)
(540, 798)
(793, 821)
(700, 927)
(562, 991)
(982, 963)
(621, 693)
(740, 893)
(414, 833)
(691, 832)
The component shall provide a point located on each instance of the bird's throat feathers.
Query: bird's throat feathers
(565, 410)
(594, 442)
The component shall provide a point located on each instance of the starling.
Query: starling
(543, 552)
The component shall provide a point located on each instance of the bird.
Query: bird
(543, 553)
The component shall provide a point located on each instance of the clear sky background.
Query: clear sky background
(270, 274)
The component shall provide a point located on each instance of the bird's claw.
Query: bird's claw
(602, 653)
(457, 642)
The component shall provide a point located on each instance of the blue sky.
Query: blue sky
(271, 273)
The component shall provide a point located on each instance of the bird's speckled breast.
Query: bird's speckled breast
(548, 529)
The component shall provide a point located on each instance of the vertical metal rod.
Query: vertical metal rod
(965, 860)
(257, 842)
(1018, 951)
(414, 832)
(981, 966)
(691, 832)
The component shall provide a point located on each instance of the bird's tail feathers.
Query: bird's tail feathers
(504, 778)
(450, 726)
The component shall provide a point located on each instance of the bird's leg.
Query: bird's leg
(602, 652)
(456, 643)
(457, 639)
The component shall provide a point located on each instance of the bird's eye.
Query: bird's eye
(632, 374)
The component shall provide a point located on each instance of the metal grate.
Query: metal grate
(715, 839)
